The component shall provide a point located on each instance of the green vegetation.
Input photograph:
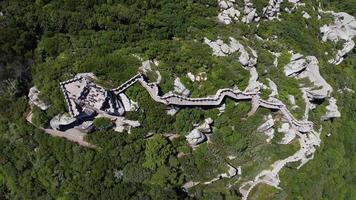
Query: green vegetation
(44, 42)
(102, 123)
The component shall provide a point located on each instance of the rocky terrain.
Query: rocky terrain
(226, 99)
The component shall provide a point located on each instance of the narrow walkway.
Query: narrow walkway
(216, 100)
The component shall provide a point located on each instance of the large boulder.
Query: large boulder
(197, 135)
(179, 88)
(62, 122)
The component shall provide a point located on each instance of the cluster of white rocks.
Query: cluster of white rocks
(272, 10)
(222, 49)
(296, 5)
(276, 56)
(267, 128)
(343, 28)
(345, 89)
(197, 135)
(250, 13)
(34, 99)
(253, 84)
(201, 76)
(228, 12)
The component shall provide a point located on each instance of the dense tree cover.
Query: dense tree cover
(102, 123)
(44, 42)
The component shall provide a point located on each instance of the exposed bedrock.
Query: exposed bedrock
(179, 88)
(122, 124)
(228, 12)
(197, 135)
(307, 67)
(267, 128)
(61, 121)
(223, 49)
(289, 133)
(34, 99)
(128, 104)
(302, 67)
(273, 86)
(272, 10)
(146, 67)
(291, 100)
(250, 13)
(343, 28)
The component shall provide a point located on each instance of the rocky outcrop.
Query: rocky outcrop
(197, 135)
(172, 110)
(146, 67)
(291, 100)
(127, 103)
(179, 88)
(302, 67)
(296, 4)
(246, 59)
(228, 13)
(62, 121)
(267, 128)
(343, 28)
(332, 110)
(306, 15)
(222, 49)
(250, 13)
(34, 99)
(222, 109)
(272, 10)
(307, 67)
(276, 56)
(289, 133)
(122, 124)
(273, 88)
(253, 84)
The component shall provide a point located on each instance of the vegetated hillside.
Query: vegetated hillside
(44, 42)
